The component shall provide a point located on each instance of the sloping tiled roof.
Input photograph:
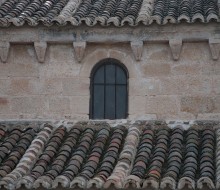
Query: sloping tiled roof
(137, 156)
(106, 12)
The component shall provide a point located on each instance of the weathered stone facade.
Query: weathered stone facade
(174, 75)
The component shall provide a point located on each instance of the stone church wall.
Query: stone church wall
(159, 87)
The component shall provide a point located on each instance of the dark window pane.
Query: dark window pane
(121, 76)
(99, 75)
(110, 74)
(109, 92)
(121, 101)
(98, 102)
(110, 102)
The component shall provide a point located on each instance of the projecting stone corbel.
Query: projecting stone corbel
(40, 48)
(137, 48)
(214, 45)
(4, 51)
(176, 47)
(79, 49)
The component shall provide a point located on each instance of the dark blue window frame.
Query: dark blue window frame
(109, 90)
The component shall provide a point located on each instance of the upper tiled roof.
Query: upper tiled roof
(88, 156)
(106, 12)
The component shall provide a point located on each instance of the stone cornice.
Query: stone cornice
(98, 34)
(196, 32)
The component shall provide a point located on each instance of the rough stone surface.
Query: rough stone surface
(159, 87)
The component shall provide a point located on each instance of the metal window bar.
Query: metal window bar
(106, 84)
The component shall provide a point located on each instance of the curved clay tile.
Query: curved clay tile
(68, 11)
(113, 20)
(128, 20)
(217, 157)
(25, 164)
(91, 164)
(145, 12)
(156, 18)
(88, 21)
(169, 19)
(17, 21)
(174, 160)
(73, 21)
(101, 20)
(45, 21)
(184, 18)
(17, 152)
(61, 159)
(126, 159)
(198, 17)
(158, 159)
(41, 164)
(211, 17)
(190, 160)
(110, 158)
(90, 157)
(106, 12)
(76, 160)
(142, 160)
(31, 21)
(207, 167)
(4, 22)
(7, 6)
(132, 12)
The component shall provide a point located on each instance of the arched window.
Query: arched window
(109, 90)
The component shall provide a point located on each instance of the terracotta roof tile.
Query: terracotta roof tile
(184, 10)
(106, 12)
(136, 157)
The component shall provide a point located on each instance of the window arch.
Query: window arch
(109, 90)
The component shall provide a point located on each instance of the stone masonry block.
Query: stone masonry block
(19, 86)
(21, 70)
(59, 70)
(173, 85)
(4, 86)
(141, 116)
(157, 53)
(144, 86)
(216, 84)
(75, 86)
(47, 86)
(137, 105)
(156, 70)
(209, 116)
(186, 69)
(216, 101)
(29, 105)
(4, 105)
(199, 85)
(197, 104)
(80, 104)
(18, 70)
(194, 53)
(162, 105)
(22, 54)
(4, 51)
(59, 105)
(61, 54)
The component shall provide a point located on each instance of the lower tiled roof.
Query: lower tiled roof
(106, 12)
(142, 155)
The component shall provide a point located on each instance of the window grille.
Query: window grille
(109, 91)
